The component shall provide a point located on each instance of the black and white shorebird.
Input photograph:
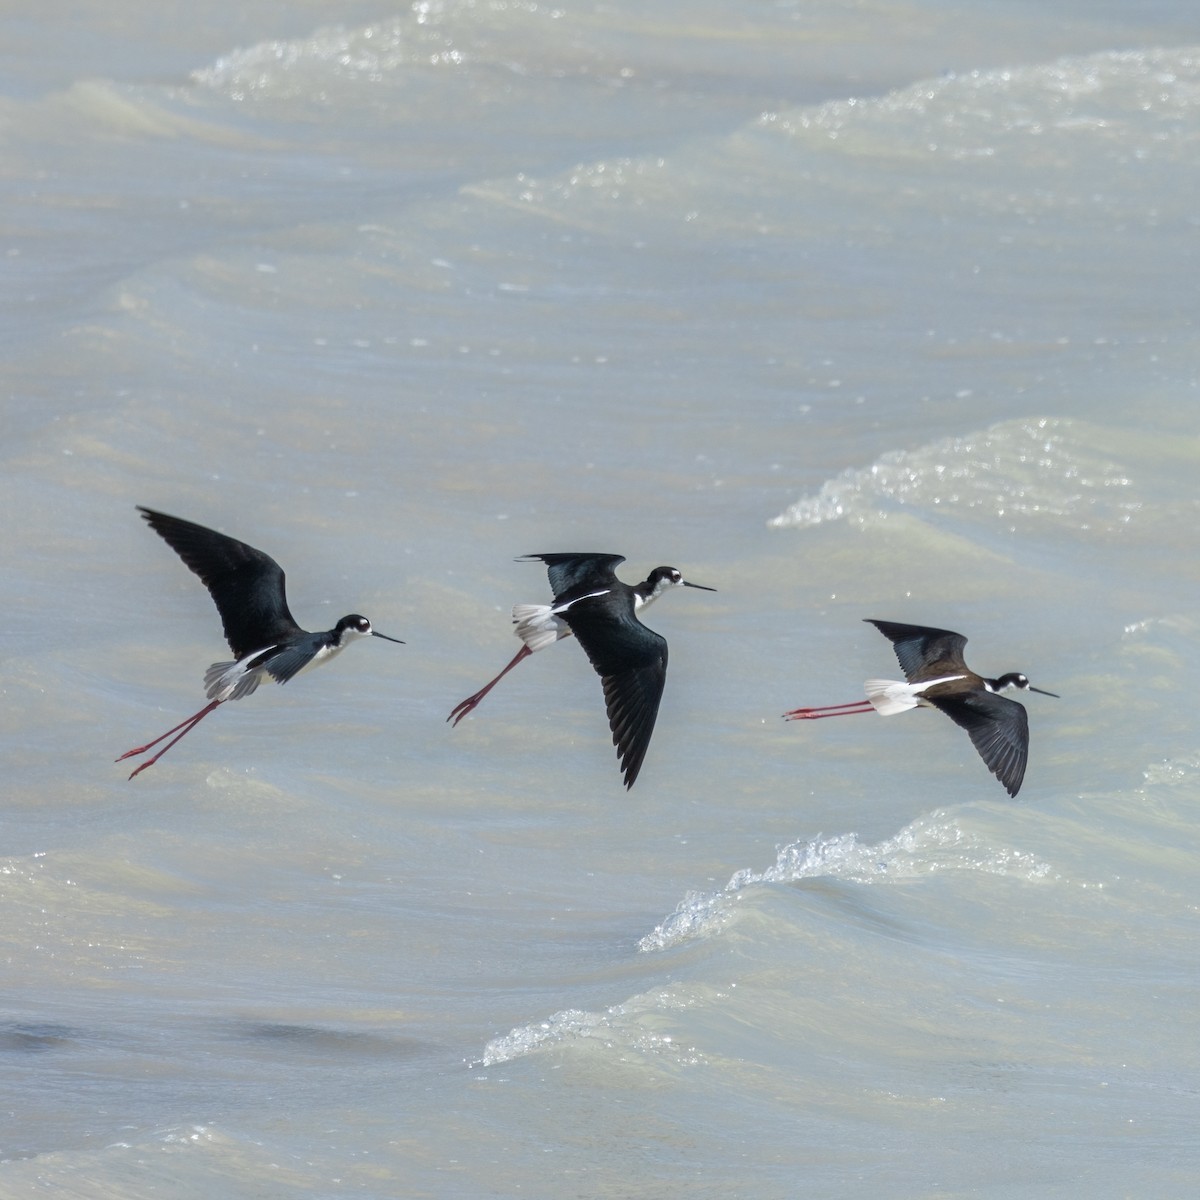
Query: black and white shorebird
(938, 677)
(602, 612)
(247, 587)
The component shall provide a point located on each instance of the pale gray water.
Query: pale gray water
(848, 311)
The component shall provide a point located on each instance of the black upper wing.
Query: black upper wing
(631, 661)
(921, 650)
(246, 585)
(576, 574)
(999, 728)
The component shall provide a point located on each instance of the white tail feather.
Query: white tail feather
(229, 681)
(889, 696)
(537, 626)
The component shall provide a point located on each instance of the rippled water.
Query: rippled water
(849, 313)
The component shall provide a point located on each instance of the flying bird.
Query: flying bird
(938, 677)
(602, 612)
(247, 587)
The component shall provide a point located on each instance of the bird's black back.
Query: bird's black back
(576, 574)
(924, 653)
(246, 585)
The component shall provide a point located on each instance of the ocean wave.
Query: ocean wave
(619, 1027)
(286, 68)
(983, 113)
(929, 845)
(519, 37)
(1045, 470)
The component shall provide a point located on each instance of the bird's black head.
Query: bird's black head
(355, 625)
(1016, 680)
(662, 578)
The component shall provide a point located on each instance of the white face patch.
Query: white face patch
(640, 601)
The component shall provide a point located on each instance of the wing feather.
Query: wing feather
(632, 699)
(999, 729)
(921, 650)
(246, 585)
(574, 574)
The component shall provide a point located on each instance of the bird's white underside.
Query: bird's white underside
(236, 680)
(890, 696)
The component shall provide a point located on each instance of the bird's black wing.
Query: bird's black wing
(576, 574)
(631, 661)
(632, 699)
(918, 646)
(999, 728)
(246, 585)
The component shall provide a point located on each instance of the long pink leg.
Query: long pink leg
(460, 710)
(186, 726)
(829, 710)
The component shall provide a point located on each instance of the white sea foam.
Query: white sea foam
(517, 36)
(930, 844)
(288, 68)
(618, 1027)
(972, 114)
(1042, 469)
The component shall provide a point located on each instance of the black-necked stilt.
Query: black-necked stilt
(247, 587)
(601, 611)
(938, 677)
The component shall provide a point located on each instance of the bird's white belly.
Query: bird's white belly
(321, 657)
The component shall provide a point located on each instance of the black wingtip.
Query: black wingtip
(1011, 786)
(632, 745)
(631, 770)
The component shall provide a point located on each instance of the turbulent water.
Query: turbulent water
(848, 312)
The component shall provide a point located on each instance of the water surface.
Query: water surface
(847, 311)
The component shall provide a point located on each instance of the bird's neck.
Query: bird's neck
(646, 593)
